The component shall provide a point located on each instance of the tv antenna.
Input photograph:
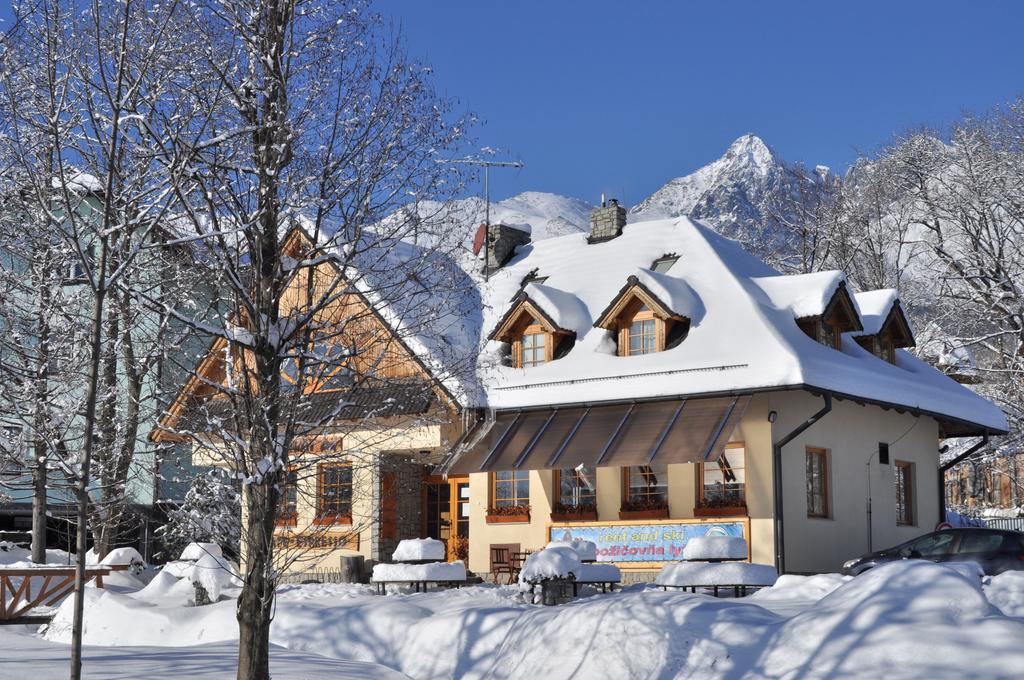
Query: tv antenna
(486, 165)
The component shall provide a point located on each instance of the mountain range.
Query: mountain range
(736, 194)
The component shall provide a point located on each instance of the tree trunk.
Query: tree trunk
(255, 604)
(82, 487)
(40, 423)
(39, 508)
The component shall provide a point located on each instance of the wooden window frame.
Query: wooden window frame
(519, 501)
(556, 480)
(517, 346)
(906, 470)
(289, 515)
(626, 326)
(826, 491)
(700, 475)
(322, 516)
(627, 497)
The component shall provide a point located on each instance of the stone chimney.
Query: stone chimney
(607, 221)
(502, 241)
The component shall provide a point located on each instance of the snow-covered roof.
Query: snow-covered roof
(804, 294)
(673, 292)
(744, 339)
(565, 310)
(875, 306)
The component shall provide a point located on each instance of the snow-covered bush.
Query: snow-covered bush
(547, 573)
(211, 512)
(212, 573)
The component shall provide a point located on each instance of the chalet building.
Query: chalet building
(653, 381)
(644, 384)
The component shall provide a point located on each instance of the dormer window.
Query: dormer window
(839, 316)
(885, 334)
(642, 320)
(531, 332)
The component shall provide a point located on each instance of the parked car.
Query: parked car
(995, 550)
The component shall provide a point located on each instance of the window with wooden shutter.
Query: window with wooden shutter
(817, 483)
(903, 477)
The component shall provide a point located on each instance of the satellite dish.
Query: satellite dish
(479, 239)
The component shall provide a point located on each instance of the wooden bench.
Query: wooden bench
(58, 582)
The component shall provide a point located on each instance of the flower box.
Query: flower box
(287, 519)
(649, 513)
(574, 516)
(508, 519)
(331, 519)
(729, 511)
(507, 514)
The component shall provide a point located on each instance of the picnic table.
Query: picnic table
(420, 586)
(738, 589)
(604, 576)
(17, 599)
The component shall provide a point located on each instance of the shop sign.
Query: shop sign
(625, 542)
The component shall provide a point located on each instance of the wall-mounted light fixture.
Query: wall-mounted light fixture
(772, 416)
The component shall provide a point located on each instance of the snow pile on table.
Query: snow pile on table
(195, 551)
(795, 587)
(587, 550)
(434, 571)
(412, 549)
(549, 563)
(215, 573)
(716, 574)
(1006, 591)
(715, 548)
(598, 573)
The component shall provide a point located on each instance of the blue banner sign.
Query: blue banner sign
(627, 542)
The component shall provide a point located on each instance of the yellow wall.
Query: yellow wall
(851, 434)
(754, 430)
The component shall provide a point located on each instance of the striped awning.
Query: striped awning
(641, 433)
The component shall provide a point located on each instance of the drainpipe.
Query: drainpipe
(945, 467)
(780, 545)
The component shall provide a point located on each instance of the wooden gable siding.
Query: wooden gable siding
(379, 352)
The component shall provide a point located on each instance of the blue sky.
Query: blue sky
(619, 97)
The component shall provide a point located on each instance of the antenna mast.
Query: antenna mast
(487, 165)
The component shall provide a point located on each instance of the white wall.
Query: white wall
(851, 433)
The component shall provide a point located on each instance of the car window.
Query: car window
(980, 542)
(934, 545)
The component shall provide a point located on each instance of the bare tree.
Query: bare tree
(300, 125)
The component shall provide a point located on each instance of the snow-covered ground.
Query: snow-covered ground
(903, 620)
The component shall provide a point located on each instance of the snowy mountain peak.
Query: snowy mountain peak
(736, 194)
(750, 150)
